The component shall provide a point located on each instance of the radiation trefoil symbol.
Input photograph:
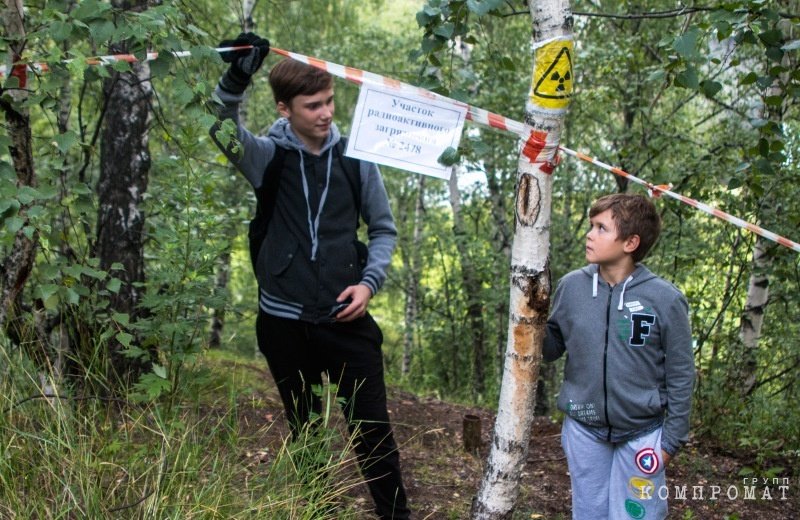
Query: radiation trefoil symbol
(553, 76)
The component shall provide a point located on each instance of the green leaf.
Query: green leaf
(748, 79)
(686, 43)
(124, 339)
(60, 31)
(449, 156)
(65, 141)
(710, 88)
(774, 101)
(483, 7)
(73, 298)
(688, 79)
(121, 66)
(121, 318)
(445, 30)
(101, 31)
(771, 38)
(27, 194)
(113, 285)
(161, 65)
(160, 371)
(45, 290)
(14, 224)
(90, 9)
(657, 76)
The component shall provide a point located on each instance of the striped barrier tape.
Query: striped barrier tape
(535, 141)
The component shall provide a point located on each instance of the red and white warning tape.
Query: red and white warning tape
(535, 141)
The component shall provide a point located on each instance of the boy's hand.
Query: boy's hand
(245, 62)
(665, 457)
(359, 296)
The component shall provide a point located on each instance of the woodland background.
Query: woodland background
(126, 285)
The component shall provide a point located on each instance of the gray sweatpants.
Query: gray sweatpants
(614, 481)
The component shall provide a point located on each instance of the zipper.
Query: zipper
(605, 362)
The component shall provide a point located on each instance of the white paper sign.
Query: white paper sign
(404, 131)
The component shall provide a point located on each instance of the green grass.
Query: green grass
(63, 458)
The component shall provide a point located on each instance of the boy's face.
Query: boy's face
(310, 116)
(602, 245)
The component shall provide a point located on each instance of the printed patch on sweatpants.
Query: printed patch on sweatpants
(641, 488)
(634, 509)
(647, 461)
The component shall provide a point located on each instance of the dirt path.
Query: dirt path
(442, 478)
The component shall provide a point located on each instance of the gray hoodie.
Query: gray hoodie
(310, 236)
(630, 365)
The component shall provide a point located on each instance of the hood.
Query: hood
(281, 132)
(639, 275)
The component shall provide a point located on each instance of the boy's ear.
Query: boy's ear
(631, 244)
(283, 109)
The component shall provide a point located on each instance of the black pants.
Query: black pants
(350, 353)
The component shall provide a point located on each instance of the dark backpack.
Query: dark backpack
(267, 195)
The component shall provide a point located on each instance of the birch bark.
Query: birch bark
(529, 300)
(16, 267)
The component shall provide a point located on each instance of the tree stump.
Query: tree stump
(472, 433)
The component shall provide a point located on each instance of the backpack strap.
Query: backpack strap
(267, 194)
(352, 172)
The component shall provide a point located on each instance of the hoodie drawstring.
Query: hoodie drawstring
(313, 223)
(622, 294)
(594, 285)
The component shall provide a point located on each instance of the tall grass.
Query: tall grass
(87, 457)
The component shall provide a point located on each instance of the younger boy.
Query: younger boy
(629, 371)
(314, 280)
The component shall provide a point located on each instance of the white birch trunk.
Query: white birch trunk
(755, 305)
(412, 262)
(530, 278)
(753, 316)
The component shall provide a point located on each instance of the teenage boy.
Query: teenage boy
(313, 292)
(629, 372)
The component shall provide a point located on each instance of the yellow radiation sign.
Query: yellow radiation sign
(551, 86)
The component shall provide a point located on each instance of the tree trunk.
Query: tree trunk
(235, 195)
(16, 267)
(124, 170)
(753, 317)
(412, 268)
(530, 278)
(758, 288)
(472, 289)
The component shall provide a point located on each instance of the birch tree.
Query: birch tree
(529, 299)
(17, 265)
(124, 171)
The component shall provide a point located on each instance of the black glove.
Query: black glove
(244, 63)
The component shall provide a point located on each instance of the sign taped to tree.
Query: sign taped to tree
(551, 85)
(404, 130)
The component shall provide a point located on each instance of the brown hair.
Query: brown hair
(633, 215)
(290, 78)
